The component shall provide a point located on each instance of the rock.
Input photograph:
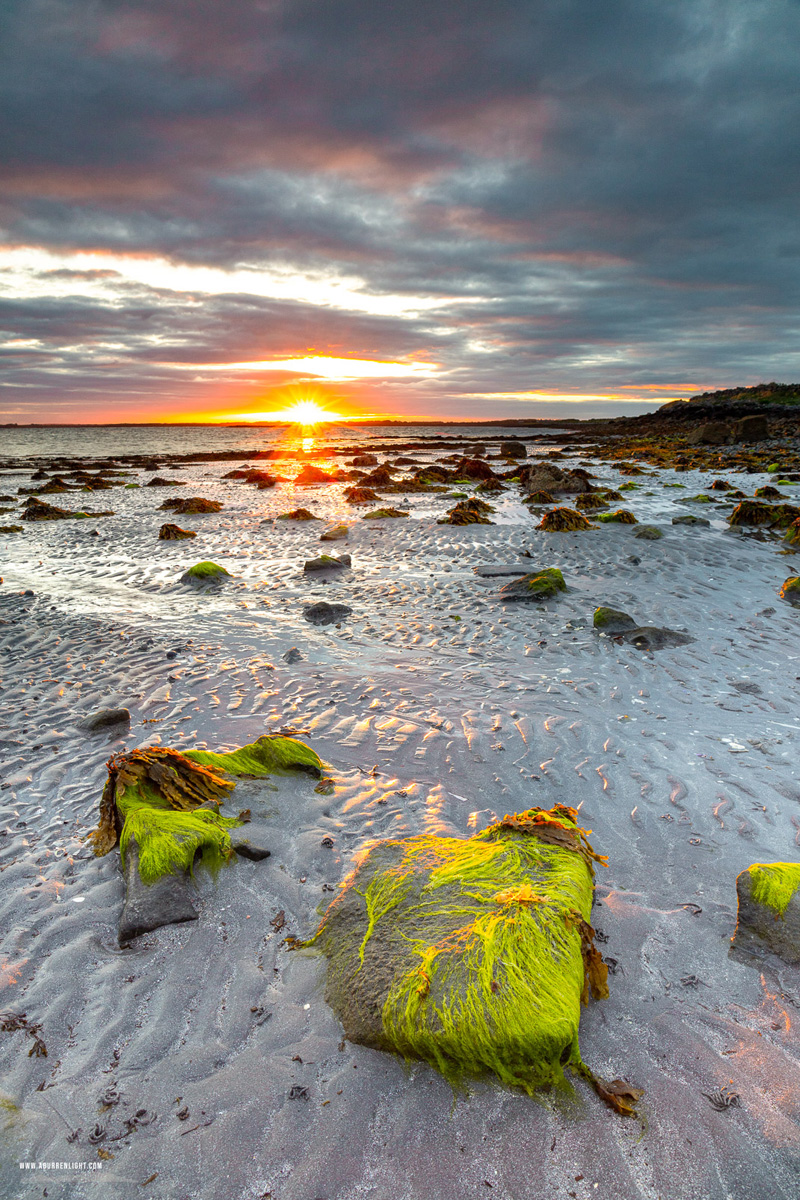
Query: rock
(310, 475)
(651, 637)
(539, 498)
(364, 460)
(263, 479)
(447, 968)
(541, 585)
(39, 510)
(473, 468)
(247, 849)
(691, 519)
(720, 485)
(769, 909)
(751, 429)
(563, 520)
(381, 477)
(468, 512)
(792, 533)
(513, 449)
(205, 572)
(547, 477)
(380, 514)
(327, 562)
(431, 473)
(768, 493)
(360, 495)
(648, 533)
(755, 512)
(791, 590)
(622, 516)
(292, 655)
(586, 501)
(323, 613)
(11, 529)
(105, 718)
(148, 906)
(157, 481)
(335, 533)
(297, 514)
(713, 433)
(174, 533)
(612, 620)
(191, 504)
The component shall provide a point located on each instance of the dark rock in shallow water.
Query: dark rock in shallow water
(612, 620)
(148, 906)
(364, 460)
(513, 449)
(690, 519)
(651, 637)
(648, 533)
(247, 849)
(769, 909)
(105, 718)
(323, 613)
(292, 656)
(327, 562)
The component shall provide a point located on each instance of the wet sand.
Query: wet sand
(437, 709)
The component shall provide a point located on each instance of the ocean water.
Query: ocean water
(101, 440)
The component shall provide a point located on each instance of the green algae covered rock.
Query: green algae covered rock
(612, 620)
(335, 533)
(792, 536)
(471, 954)
(648, 533)
(297, 514)
(542, 585)
(791, 590)
(755, 512)
(169, 802)
(385, 514)
(769, 908)
(622, 516)
(563, 520)
(205, 572)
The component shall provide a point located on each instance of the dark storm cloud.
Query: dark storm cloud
(605, 193)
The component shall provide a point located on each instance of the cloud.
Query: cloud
(565, 198)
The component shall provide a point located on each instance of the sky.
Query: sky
(446, 208)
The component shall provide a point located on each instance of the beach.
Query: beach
(437, 707)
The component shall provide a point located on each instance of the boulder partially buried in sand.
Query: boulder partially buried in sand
(327, 562)
(612, 620)
(174, 533)
(769, 909)
(186, 505)
(324, 613)
(471, 954)
(297, 514)
(205, 572)
(542, 585)
(161, 808)
(106, 718)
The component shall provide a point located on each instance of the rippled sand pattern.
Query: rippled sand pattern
(437, 710)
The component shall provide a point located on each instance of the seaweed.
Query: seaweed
(468, 512)
(174, 533)
(297, 514)
(187, 505)
(622, 516)
(380, 514)
(169, 802)
(563, 520)
(471, 954)
(774, 884)
(360, 495)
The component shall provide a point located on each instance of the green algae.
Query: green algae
(205, 572)
(169, 802)
(481, 949)
(544, 584)
(269, 755)
(774, 884)
(622, 516)
(612, 619)
(383, 514)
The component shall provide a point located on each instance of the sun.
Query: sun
(306, 412)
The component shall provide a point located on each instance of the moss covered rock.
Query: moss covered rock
(542, 585)
(384, 514)
(691, 519)
(327, 562)
(539, 498)
(612, 620)
(335, 534)
(471, 954)
(205, 572)
(621, 516)
(769, 909)
(648, 533)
